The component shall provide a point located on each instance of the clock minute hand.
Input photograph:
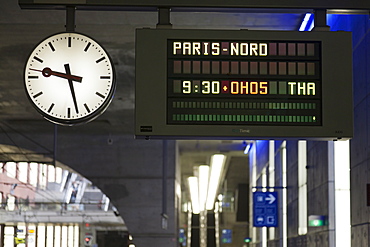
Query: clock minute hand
(70, 82)
(48, 72)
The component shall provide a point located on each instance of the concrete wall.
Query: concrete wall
(317, 191)
(128, 171)
(318, 156)
(360, 148)
(292, 191)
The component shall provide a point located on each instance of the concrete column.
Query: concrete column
(129, 172)
(331, 194)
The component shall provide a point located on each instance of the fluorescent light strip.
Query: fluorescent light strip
(203, 185)
(217, 164)
(311, 26)
(194, 194)
(284, 196)
(247, 148)
(342, 193)
(264, 185)
(305, 22)
(272, 177)
(302, 188)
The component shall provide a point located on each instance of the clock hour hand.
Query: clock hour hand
(70, 82)
(48, 72)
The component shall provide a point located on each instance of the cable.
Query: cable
(26, 137)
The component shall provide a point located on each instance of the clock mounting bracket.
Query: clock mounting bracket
(70, 18)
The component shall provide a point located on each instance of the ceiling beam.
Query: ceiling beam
(288, 4)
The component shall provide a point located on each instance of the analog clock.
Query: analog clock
(69, 78)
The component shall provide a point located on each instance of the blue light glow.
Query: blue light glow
(307, 23)
(247, 148)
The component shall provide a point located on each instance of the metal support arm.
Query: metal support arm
(164, 18)
(70, 18)
(320, 20)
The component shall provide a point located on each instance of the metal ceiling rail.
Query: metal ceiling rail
(197, 5)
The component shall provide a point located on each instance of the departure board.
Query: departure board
(244, 82)
(239, 84)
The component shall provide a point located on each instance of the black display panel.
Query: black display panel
(244, 83)
(197, 84)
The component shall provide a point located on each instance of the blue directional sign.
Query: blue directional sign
(265, 209)
(226, 236)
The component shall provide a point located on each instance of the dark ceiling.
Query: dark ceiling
(21, 30)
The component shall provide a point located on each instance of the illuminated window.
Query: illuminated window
(106, 201)
(31, 241)
(51, 174)
(58, 175)
(76, 236)
(41, 230)
(9, 236)
(64, 236)
(50, 235)
(11, 169)
(64, 180)
(57, 235)
(43, 169)
(10, 202)
(33, 177)
(23, 171)
(70, 235)
(21, 235)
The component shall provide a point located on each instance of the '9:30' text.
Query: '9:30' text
(227, 87)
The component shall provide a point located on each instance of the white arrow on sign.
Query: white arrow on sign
(271, 198)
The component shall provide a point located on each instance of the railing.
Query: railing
(25, 205)
(63, 213)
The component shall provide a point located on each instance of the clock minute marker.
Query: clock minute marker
(51, 107)
(87, 47)
(86, 107)
(38, 59)
(100, 95)
(100, 59)
(37, 95)
(51, 46)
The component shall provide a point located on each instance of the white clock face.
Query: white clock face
(69, 78)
